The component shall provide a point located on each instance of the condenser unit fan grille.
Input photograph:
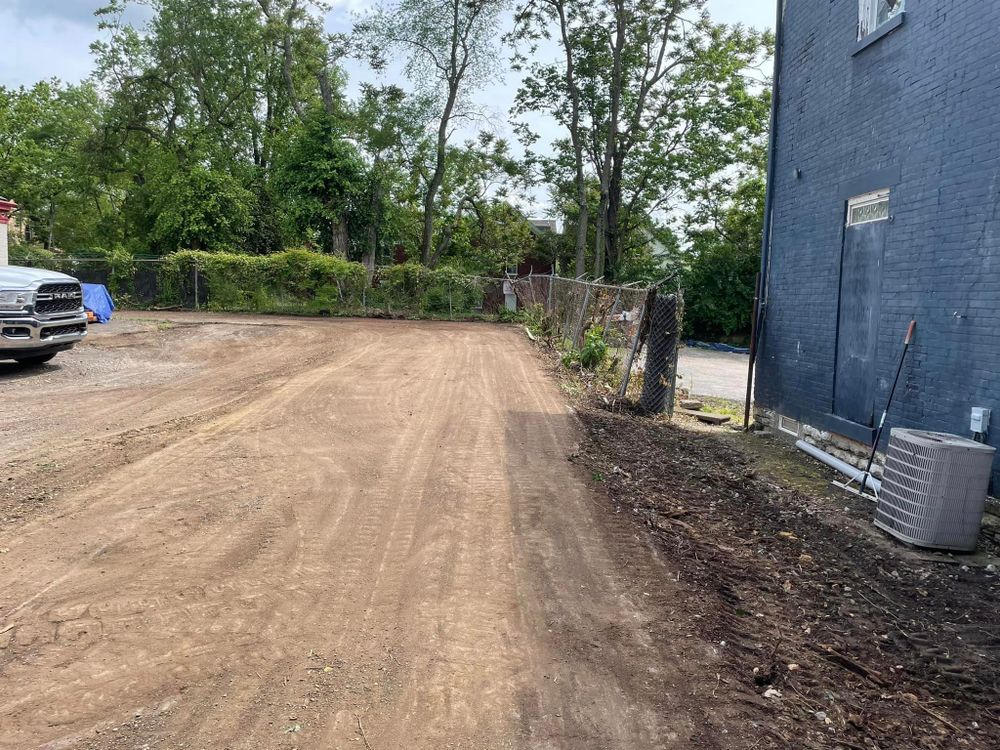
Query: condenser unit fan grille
(934, 489)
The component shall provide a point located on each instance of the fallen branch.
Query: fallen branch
(842, 660)
(933, 714)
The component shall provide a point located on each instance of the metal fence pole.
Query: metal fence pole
(635, 347)
(583, 313)
(197, 302)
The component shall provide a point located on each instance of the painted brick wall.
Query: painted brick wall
(923, 104)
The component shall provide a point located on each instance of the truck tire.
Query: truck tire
(39, 359)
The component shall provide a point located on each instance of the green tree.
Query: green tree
(451, 50)
(44, 135)
(722, 263)
(386, 126)
(493, 237)
(478, 172)
(196, 208)
(324, 181)
(662, 97)
(212, 88)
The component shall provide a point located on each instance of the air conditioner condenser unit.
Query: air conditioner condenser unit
(934, 489)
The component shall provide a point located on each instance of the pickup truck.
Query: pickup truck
(41, 314)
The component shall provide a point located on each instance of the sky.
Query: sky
(51, 38)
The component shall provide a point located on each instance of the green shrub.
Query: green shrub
(594, 350)
(290, 281)
(416, 289)
(34, 256)
(538, 321)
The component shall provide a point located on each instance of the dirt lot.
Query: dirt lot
(262, 533)
(239, 532)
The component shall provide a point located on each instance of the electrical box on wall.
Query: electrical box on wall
(980, 420)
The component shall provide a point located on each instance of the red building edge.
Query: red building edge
(6, 209)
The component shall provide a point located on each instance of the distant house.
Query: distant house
(536, 263)
(884, 206)
(541, 226)
(7, 208)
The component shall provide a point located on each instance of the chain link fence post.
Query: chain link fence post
(197, 302)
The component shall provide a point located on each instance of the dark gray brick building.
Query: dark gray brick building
(886, 207)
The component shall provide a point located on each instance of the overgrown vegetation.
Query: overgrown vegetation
(290, 281)
(228, 128)
(438, 291)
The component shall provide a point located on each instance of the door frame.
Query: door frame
(859, 209)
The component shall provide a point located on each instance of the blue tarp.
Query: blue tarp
(718, 347)
(97, 299)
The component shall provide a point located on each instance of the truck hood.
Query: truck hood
(19, 277)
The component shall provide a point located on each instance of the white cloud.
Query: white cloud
(45, 46)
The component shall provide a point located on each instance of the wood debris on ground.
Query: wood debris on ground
(818, 613)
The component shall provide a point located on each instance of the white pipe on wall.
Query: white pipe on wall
(843, 467)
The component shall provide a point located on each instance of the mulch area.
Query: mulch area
(848, 639)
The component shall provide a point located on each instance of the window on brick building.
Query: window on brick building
(867, 208)
(874, 13)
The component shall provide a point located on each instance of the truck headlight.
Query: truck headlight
(15, 300)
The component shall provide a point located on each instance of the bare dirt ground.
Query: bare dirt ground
(836, 635)
(239, 532)
(261, 532)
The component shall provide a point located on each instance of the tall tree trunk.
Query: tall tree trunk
(287, 60)
(600, 246)
(427, 256)
(339, 238)
(449, 231)
(611, 143)
(612, 230)
(577, 141)
(52, 225)
(581, 237)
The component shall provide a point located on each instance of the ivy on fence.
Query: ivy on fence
(290, 281)
(415, 289)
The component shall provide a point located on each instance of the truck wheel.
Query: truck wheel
(41, 359)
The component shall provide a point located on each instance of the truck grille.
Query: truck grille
(58, 298)
(48, 333)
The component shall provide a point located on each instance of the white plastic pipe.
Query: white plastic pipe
(835, 463)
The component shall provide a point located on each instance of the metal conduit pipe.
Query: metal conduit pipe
(835, 463)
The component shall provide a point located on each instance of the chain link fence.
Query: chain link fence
(637, 327)
(662, 349)
(628, 319)
(153, 283)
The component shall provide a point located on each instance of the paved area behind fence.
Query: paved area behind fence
(709, 373)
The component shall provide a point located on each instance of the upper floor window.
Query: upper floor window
(874, 13)
(864, 209)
